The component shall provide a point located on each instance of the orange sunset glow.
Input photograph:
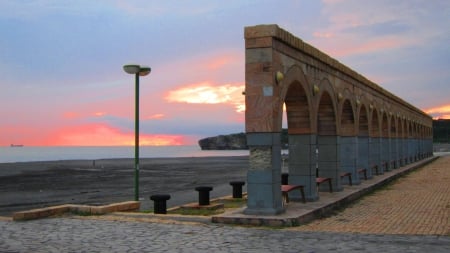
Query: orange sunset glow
(104, 135)
(440, 112)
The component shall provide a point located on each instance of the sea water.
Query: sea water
(31, 154)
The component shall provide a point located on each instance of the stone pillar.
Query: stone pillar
(375, 154)
(412, 149)
(385, 154)
(362, 160)
(264, 174)
(329, 161)
(401, 152)
(406, 150)
(394, 154)
(348, 156)
(302, 165)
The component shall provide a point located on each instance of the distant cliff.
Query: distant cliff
(233, 141)
(224, 142)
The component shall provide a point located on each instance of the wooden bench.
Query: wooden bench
(286, 188)
(364, 171)
(393, 164)
(349, 175)
(320, 180)
(375, 167)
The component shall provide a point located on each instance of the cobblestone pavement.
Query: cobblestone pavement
(410, 215)
(418, 203)
(90, 235)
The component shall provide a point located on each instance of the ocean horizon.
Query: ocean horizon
(54, 153)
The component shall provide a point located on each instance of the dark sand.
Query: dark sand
(30, 185)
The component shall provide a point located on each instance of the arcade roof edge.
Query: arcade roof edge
(273, 30)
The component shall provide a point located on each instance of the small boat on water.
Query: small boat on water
(16, 145)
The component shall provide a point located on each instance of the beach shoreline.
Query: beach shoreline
(29, 185)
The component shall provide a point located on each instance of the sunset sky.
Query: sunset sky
(62, 83)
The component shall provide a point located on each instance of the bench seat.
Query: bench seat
(349, 175)
(286, 188)
(320, 180)
(364, 171)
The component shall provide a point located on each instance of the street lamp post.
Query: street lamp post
(137, 70)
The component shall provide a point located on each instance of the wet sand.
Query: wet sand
(25, 186)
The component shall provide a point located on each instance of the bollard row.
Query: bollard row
(160, 200)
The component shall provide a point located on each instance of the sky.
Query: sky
(62, 82)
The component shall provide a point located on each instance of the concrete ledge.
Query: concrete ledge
(195, 206)
(85, 209)
(299, 213)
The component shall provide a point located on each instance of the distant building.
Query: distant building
(441, 131)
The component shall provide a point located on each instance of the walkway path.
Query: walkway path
(418, 203)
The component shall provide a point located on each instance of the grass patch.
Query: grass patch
(233, 203)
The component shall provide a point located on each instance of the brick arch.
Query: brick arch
(298, 101)
(326, 109)
(363, 121)
(374, 124)
(347, 124)
(326, 116)
(393, 127)
(384, 125)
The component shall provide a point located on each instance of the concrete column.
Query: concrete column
(385, 154)
(375, 154)
(264, 174)
(329, 161)
(362, 160)
(407, 150)
(348, 157)
(394, 154)
(302, 165)
(401, 151)
(411, 149)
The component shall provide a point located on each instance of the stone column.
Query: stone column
(375, 154)
(362, 160)
(348, 156)
(385, 154)
(329, 161)
(401, 151)
(302, 165)
(394, 154)
(406, 150)
(264, 174)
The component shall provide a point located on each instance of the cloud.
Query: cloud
(440, 112)
(206, 93)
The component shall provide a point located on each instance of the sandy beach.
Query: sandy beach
(29, 185)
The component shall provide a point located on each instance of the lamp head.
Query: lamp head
(144, 70)
(131, 68)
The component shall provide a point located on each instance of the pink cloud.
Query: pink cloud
(105, 135)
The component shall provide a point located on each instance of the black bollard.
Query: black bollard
(203, 195)
(237, 189)
(284, 178)
(159, 203)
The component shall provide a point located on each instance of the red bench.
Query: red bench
(364, 171)
(375, 167)
(349, 175)
(320, 180)
(286, 188)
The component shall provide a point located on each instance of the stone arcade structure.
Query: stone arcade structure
(338, 121)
